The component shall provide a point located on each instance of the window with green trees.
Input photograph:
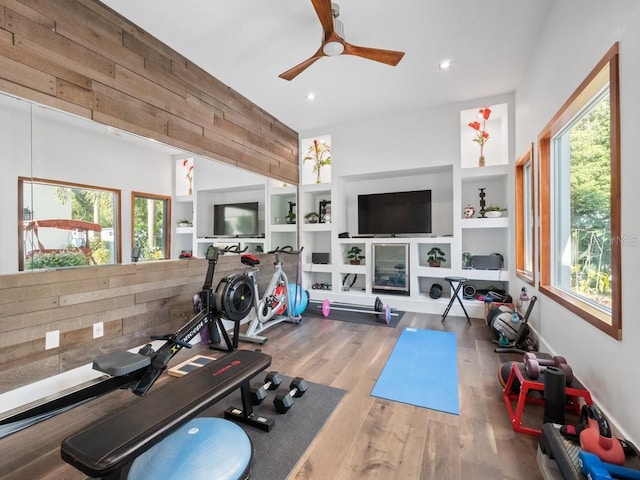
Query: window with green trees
(579, 201)
(67, 225)
(151, 225)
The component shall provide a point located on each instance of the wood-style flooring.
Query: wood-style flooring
(366, 437)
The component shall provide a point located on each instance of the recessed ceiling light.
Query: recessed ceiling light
(311, 96)
(444, 64)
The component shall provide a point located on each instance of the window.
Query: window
(580, 258)
(525, 229)
(67, 225)
(150, 221)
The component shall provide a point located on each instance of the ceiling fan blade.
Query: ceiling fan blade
(390, 57)
(298, 69)
(323, 10)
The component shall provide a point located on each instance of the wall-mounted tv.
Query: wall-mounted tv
(396, 213)
(235, 219)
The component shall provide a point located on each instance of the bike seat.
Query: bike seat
(120, 363)
(249, 259)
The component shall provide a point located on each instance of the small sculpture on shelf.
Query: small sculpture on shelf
(482, 202)
(290, 217)
(435, 257)
(354, 255)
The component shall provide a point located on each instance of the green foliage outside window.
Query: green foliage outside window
(591, 204)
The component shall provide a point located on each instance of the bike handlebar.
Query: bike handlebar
(233, 249)
(288, 249)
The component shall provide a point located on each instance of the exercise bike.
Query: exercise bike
(139, 371)
(276, 304)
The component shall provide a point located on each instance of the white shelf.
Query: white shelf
(283, 228)
(184, 230)
(316, 227)
(500, 222)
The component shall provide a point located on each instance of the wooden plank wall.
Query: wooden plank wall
(81, 57)
(134, 301)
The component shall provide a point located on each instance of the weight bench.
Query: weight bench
(104, 448)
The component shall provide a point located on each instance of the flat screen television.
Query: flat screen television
(235, 219)
(396, 213)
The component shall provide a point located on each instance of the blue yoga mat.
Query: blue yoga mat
(422, 370)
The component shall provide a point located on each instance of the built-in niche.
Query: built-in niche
(484, 134)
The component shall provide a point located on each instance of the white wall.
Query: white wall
(576, 37)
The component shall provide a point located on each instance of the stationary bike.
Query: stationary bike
(276, 304)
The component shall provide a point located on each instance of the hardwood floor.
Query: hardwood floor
(366, 437)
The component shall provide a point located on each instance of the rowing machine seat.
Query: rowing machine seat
(121, 363)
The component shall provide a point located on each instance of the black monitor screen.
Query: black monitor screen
(394, 213)
(235, 219)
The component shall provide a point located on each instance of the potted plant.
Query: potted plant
(312, 217)
(493, 211)
(354, 255)
(435, 257)
(290, 218)
(184, 223)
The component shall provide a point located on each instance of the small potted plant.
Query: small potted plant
(494, 211)
(354, 255)
(184, 223)
(435, 257)
(290, 218)
(312, 217)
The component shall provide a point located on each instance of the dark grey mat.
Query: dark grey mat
(344, 313)
(277, 452)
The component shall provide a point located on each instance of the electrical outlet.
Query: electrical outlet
(98, 329)
(52, 339)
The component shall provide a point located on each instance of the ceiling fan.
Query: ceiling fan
(333, 42)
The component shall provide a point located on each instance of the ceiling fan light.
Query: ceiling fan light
(332, 49)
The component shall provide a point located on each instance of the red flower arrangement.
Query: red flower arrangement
(481, 135)
(189, 175)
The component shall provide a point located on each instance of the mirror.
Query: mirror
(43, 144)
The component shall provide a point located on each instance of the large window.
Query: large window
(151, 219)
(579, 201)
(67, 225)
(525, 230)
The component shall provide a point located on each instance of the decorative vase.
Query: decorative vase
(469, 211)
(318, 175)
(481, 161)
(354, 262)
(433, 263)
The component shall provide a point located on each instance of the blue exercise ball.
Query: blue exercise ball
(299, 299)
(203, 448)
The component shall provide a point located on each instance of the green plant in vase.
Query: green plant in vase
(312, 217)
(354, 255)
(493, 211)
(435, 257)
(290, 218)
(320, 154)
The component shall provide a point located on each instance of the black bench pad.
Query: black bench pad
(106, 446)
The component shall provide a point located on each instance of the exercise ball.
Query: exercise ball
(203, 448)
(299, 299)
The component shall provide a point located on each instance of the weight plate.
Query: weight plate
(326, 307)
(387, 313)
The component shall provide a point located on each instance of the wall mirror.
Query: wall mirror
(85, 177)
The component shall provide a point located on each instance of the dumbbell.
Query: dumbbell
(556, 360)
(534, 369)
(284, 401)
(271, 382)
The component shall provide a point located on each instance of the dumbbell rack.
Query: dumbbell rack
(575, 391)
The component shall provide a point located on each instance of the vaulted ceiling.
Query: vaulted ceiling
(247, 43)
